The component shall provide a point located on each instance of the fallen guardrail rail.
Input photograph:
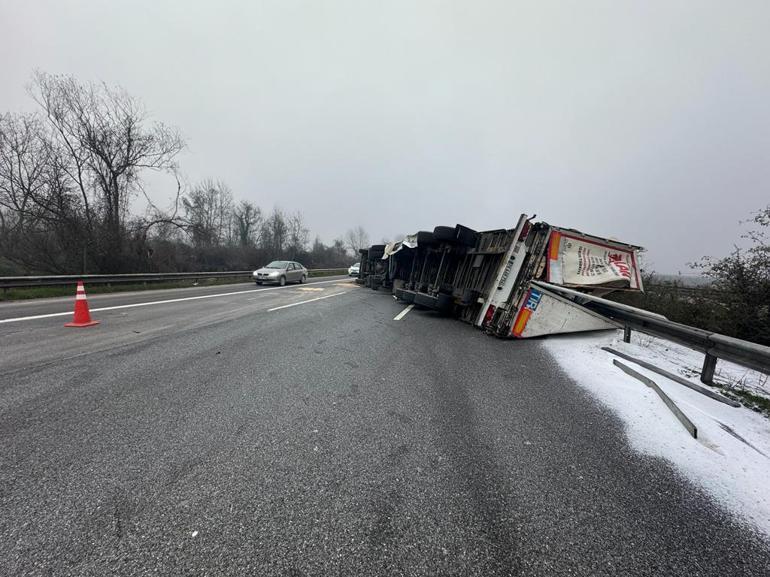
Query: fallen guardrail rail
(673, 407)
(9, 282)
(713, 345)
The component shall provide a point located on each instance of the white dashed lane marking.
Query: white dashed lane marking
(403, 313)
(307, 301)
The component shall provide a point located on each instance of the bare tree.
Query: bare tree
(69, 172)
(23, 167)
(208, 213)
(298, 234)
(274, 233)
(338, 252)
(102, 140)
(356, 239)
(247, 222)
(42, 222)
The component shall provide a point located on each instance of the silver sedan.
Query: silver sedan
(280, 272)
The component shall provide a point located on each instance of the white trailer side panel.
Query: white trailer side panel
(545, 313)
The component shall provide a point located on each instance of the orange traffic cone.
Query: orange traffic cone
(82, 316)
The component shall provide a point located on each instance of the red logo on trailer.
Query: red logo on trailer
(619, 262)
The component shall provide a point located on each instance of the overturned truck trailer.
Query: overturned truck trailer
(488, 278)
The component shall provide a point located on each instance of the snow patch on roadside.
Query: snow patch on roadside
(734, 473)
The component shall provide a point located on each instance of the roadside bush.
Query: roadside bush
(737, 300)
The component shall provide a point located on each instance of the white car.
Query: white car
(354, 269)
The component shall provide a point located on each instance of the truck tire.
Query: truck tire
(425, 238)
(376, 251)
(445, 233)
(466, 236)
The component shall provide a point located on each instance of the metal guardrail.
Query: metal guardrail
(713, 345)
(63, 280)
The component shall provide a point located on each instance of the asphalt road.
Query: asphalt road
(28, 307)
(236, 435)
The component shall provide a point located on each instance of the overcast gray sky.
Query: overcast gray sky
(645, 121)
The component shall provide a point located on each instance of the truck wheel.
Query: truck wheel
(466, 236)
(444, 233)
(424, 237)
(376, 251)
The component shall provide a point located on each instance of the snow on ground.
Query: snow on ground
(736, 474)
(682, 361)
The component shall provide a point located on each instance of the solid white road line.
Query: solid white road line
(307, 301)
(163, 302)
(403, 313)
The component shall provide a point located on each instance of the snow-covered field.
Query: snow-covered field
(734, 472)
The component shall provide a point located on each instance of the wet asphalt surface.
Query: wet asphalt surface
(54, 305)
(326, 439)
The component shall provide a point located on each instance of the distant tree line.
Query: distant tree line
(70, 172)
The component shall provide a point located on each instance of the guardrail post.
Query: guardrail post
(626, 334)
(709, 366)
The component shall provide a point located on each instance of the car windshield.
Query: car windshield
(278, 264)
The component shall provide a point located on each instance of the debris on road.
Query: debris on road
(676, 378)
(684, 419)
(486, 278)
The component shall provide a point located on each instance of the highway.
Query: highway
(303, 431)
